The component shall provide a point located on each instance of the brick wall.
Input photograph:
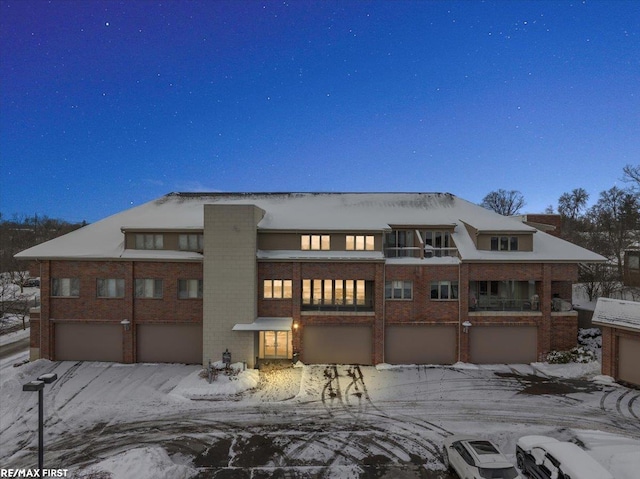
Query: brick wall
(89, 308)
(609, 353)
(564, 332)
(422, 307)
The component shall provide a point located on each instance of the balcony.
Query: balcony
(418, 252)
(363, 307)
(495, 303)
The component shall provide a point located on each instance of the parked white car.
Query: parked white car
(542, 457)
(477, 458)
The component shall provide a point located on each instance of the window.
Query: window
(634, 261)
(65, 287)
(444, 290)
(190, 242)
(504, 243)
(277, 289)
(398, 289)
(149, 241)
(189, 288)
(334, 292)
(148, 288)
(437, 239)
(360, 243)
(110, 288)
(399, 244)
(315, 242)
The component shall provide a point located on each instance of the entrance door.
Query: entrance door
(275, 344)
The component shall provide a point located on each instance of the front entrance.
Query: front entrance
(275, 345)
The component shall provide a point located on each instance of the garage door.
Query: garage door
(503, 344)
(88, 342)
(169, 343)
(411, 344)
(344, 344)
(628, 360)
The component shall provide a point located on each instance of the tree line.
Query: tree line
(609, 226)
(22, 232)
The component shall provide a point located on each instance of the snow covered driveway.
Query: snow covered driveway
(147, 420)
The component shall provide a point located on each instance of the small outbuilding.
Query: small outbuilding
(620, 323)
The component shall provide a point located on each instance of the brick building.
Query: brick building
(332, 277)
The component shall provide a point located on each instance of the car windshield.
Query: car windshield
(483, 447)
(503, 473)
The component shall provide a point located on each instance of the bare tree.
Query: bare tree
(599, 280)
(505, 202)
(571, 207)
(614, 220)
(632, 175)
(572, 204)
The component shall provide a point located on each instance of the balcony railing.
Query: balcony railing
(494, 303)
(418, 252)
(367, 306)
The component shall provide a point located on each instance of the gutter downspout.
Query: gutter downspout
(459, 311)
(384, 308)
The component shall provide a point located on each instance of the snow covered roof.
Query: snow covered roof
(322, 212)
(617, 313)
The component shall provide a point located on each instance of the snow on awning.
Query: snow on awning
(265, 324)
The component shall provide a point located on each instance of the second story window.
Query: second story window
(189, 288)
(398, 289)
(65, 287)
(315, 242)
(277, 289)
(149, 241)
(504, 243)
(149, 288)
(110, 288)
(444, 290)
(359, 243)
(190, 242)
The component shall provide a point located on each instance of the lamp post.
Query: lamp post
(33, 386)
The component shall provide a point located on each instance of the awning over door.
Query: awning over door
(265, 324)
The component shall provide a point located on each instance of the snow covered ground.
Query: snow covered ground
(164, 421)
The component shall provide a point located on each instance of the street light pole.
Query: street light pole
(39, 386)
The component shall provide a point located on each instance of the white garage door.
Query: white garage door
(628, 360)
(88, 342)
(420, 344)
(169, 343)
(344, 344)
(503, 344)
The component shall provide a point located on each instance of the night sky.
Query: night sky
(107, 105)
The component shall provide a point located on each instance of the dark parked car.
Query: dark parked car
(542, 457)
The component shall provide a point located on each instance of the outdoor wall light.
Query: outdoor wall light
(465, 326)
(126, 323)
(295, 325)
